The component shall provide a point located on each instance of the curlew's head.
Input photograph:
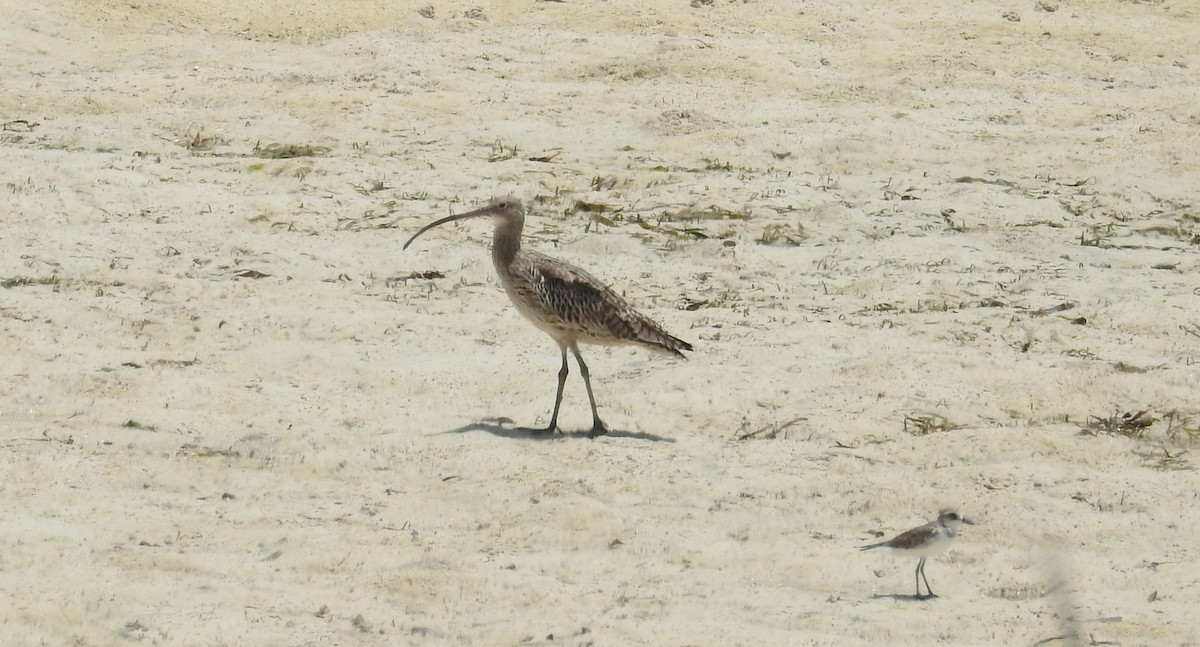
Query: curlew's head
(508, 211)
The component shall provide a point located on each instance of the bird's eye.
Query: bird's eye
(502, 205)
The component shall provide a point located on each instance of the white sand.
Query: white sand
(191, 457)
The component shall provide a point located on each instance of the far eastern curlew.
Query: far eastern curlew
(566, 302)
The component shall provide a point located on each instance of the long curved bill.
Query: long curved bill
(485, 211)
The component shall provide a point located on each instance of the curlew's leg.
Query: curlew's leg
(921, 573)
(598, 427)
(562, 381)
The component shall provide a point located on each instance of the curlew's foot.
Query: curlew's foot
(553, 428)
(598, 429)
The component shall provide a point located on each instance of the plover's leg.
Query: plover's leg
(921, 571)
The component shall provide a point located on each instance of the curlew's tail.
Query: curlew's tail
(870, 546)
(672, 345)
(634, 326)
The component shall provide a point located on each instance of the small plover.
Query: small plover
(923, 541)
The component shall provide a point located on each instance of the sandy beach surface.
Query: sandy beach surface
(928, 254)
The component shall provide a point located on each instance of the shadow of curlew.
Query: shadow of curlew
(898, 597)
(541, 434)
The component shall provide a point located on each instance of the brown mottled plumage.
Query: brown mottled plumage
(566, 302)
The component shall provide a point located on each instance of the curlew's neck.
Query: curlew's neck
(506, 241)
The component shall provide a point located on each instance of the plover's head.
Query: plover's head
(950, 519)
